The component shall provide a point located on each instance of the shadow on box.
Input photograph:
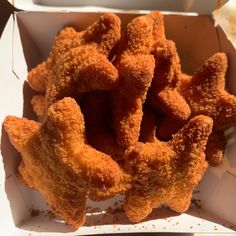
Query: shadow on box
(8, 152)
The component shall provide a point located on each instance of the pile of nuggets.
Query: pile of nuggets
(120, 117)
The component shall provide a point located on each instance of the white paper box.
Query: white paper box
(25, 42)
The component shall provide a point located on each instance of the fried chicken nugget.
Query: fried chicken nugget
(80, 70)
(164, 94)
(141, 34)
(205, 93)
(60, 163)
(103, 35)
(158, 31)
(167, 172)
(135, 66)
(136, 73)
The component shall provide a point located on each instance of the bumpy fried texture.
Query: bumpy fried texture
(96, 41)
(39, 105)
(136, 73)
(167, 172)
(136, 67)
(215, 148)
(137, 38)
(164, 94)
(205, 93)
(103, 35)
(58, 162)
(158, 31)
(81, 70)
(97, 112)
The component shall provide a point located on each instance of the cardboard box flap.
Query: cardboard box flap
(197, 6)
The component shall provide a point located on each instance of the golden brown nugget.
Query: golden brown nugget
(80, 70)
(205, 93)
(62, 166)
(103, 35)
(167, 172)
(137, 38)
(158, 31)
(135, 66)
(164, 93)
(136, 74)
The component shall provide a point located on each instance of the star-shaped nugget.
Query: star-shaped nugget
(205, 93)
(58, 162)
(81, 70)
(164, 94)
(96, 42)
(136, 67)
(167, 172)
(103, 35)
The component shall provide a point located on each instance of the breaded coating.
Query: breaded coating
(38, 104)
(103, 35)
(60, 163)
(205, 93)
(39, 76)
(80, 70)
(137, 38)
(97, 113)
(141, 34)
(136, 67)
(158, 31)
(164, 94)
(136, 74)
(215, 148)
(167, 172)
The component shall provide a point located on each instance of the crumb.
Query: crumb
(50, 214)
(196, 202)
(34, 212)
